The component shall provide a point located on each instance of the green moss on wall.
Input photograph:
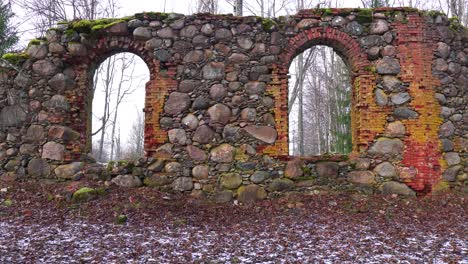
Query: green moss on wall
(15, 58)
(268, 24)
(364, 15)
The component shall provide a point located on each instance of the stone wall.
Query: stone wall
(216, 119)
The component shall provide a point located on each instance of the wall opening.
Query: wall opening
(117, 128)
(319, 103)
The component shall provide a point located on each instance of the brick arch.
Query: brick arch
(364, 126)
(161, 81)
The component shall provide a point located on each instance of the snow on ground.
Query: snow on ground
(304, 241)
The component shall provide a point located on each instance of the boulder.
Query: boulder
(200, 172)
(327, 169)
(64, 133)
(293, 169)
(187, 86)
(127, 181)
(280, 185)
(204, 135)
(378, 27)
(190, 121)
(177, 103)
(386, 146)
(61, 82)
(67, 171)
(213, 71)
(196, 153)
(223, 153)
(386, 170)
(395, 129)
(263, 133)
(259, 176)
(182, 184)
(231, 180)
(250, 194)
(84, 194)
(52, 150)
(12, 115)
(392, 187)
(44, 68)
(177, 136)
(219, 113)
(388, 65)
(451, 173)
(361, 177)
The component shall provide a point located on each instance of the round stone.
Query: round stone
(219, 113)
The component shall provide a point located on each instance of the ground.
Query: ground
(39, 223)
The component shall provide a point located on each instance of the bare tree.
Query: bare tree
(207, 6)
(134, 148)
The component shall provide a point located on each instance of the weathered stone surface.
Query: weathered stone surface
(37, 51)
(67, 171)
(307, 23)
(142, 33)
(280, 185)
(12, 115)
(218, 92)
(58, 102)
(204, 134)
(447, 129)
(231, 133)
(451, 173)
(245, 42)
(259, 176)
(39, 168)
(401, 98)
(162, 55)
(61, 82)
(381, 98)
(190, 121)
(395, 129)
(373, 53)
(173, 167)
(389, 50)
(77, 49)
(452, 158)
(250, 194)
(45, 68)
(127, 181)
(177, 136)
(22, 80)
(213, 71)
(200, 172)
(386, 170)
(64, 133)
(443, 50)
(223, 153)
(255, 88)
(447, 145)
(404, 112)
(201, 41)
(248, 114)
(238, 58)
(371, 40)
(397, 188)
(201, 103)
(224, 196)
(182, 184)
(189, 31)
(166, 33)
(388, 65)
(11, 165)
(362, 163)
(207, 29)
(440, 65)
(194, 56)
(219, 113)
(386, 146)
(390, 83)
(231, 180)
(156, 166)
(35, 133)
(177, 103)
(361, 177)
(119, 29)
(157, 180)
(379, 26)
(264, 133)
(223, 34)
(354, 28)
(196, 153)
(327, 169)
(52, 150)
(293, 169)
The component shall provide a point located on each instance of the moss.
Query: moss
(121, 219)
(305, 178)
(152, 16)
(69, 33)
(433, 13)
(15, 58)
(370, 68)
(440, 187)
(82, 26)
(7, 203)
(454, 23)
(84, 194)
(110, 165)
(364, 15)
(34, 42)
(327, 12)
(268, 24)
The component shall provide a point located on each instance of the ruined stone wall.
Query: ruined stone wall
(216, 119)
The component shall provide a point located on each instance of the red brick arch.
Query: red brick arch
(363, 81)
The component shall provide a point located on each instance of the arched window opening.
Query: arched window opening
(319, 103)
(117, 108)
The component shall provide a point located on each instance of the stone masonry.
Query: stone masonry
(216, 121)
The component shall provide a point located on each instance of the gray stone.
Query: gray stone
(268, 120)
(127, 181)
(44, 68)
(401, 98)
(446, 111)
(218, 92)
(64, 133)
(264, 133)
(373, 52)
(201, 41)
(134, 23)
(37, 51)
(67, 171)
(196, 153)
(338, 21)
(390, 83)
(307, 23)
(327, 169)
(452, 158)
(77, 49)
(386, 170)
(153, 43)
(204, 135)
(441, 98)
(187, 86)
(189, 31)
(293, 169)
(371, 40)
(248, 114)
(61, 82)
(200, 172)
(223, 153)
(52, 150)
(396, 188)
(250, 194)
(157, 165)
(440, 65)
(244, 42)
(190, 121)
(213, 71)
(38, 168)
(447, 145)
(255, 88)
(22, 80)
(443, 50)
(280, 185)
(201, 103)
(219, 113)
(35, 133)
(194, 56)
(447, 129)
(173, 167)
(451, 173)
(12, 115)
(224, 196)
(386, 146)
(238, 58)
(354, 28)
(119, 29)
(178, 24)
(361, 177)
(389, 50)
(177, 136)
(162, 55)
(177, 103)
(454, 68)
(207, 29)
(166, 33)
(395, 129)
(223, 34)
(231, 180)
(142, 33)
(231, 133)
(405, 113)
(259, 176)
(379, 26)
(456, 117)
(388, 65)
(362, 163)
(27, 149)
(381, 98)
